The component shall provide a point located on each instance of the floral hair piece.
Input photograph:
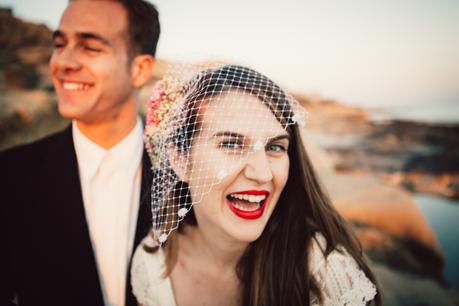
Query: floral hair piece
(164, 94)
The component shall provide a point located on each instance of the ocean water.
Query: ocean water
(443, 216)
(440, 112)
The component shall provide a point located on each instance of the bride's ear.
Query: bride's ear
(179, 163)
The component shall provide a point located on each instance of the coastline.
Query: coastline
(358, 162)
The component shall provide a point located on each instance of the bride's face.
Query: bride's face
(238, 168)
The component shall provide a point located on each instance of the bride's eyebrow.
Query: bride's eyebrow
(279, 137)
(240, 136)
(228, 134)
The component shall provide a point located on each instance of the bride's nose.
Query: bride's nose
(258, 167)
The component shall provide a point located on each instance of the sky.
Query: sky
(360, 52)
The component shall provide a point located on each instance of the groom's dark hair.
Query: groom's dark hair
(142, 26)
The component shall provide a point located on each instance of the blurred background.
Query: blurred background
(380, 80)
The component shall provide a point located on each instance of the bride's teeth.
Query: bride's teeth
(249, 198)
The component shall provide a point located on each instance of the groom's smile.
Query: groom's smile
(75, 86)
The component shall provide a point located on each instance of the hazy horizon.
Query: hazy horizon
(358, 52)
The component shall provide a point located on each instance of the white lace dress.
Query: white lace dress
(339, 278)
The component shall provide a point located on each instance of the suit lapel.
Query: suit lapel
(77, 260)
(143, 219)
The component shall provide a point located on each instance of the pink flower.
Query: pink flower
(153, 104)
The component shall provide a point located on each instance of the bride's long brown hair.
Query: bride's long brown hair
(274, 269)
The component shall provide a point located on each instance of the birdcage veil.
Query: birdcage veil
(178, 124)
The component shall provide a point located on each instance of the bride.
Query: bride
(239, 217)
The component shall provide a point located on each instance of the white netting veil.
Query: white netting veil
(203, 123)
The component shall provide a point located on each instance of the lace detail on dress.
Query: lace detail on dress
(149, 288)
(142, 285)
(341, 280)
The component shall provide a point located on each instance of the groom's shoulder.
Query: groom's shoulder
(36, 150)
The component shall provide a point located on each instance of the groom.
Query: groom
(75, 205)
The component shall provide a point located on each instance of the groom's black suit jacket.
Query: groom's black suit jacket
(46, 256)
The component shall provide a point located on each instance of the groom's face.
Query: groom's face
(90, 65)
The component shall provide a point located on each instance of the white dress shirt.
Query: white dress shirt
(110, 182)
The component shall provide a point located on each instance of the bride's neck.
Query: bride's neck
(209, 247)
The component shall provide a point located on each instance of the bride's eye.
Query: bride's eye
(232, 144)
(277, 148)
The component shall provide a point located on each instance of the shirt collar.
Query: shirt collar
(130, 148)
(90, 155)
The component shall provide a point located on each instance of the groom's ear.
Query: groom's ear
(179, 163)
(141, 69)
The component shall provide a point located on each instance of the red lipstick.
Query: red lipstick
(250, 215)
(253, 192)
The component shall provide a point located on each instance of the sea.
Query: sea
(438, 112)
(442, 214)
